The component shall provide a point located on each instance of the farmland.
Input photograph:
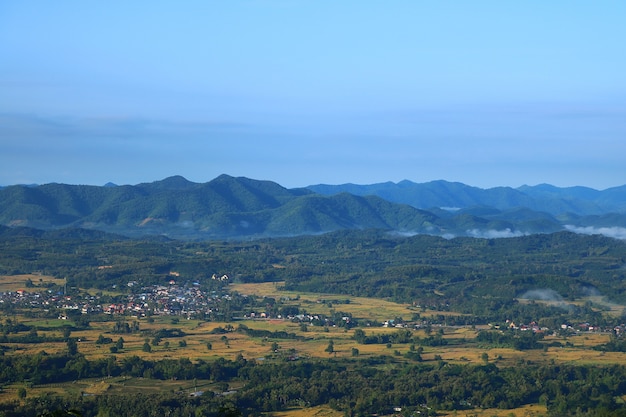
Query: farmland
(199, 340)
(301, 327)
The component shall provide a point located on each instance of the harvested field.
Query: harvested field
(30, 282)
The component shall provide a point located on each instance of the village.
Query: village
(188, 300)
(192, 301)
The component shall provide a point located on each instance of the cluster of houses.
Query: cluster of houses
(172, 299)
(580, 327)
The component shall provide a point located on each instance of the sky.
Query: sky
(488, 93)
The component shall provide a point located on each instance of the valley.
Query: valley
(274, 340)
(314, 324)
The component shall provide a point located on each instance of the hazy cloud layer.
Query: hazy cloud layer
(547, 295)
(494, 234)
(615, 232)
(543, 295)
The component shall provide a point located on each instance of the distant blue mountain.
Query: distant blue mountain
(545, 198)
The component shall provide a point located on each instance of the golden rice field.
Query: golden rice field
(361, 307)
(309, 412)
(110, 386)
(533, 410)
(316, 339)
(18, 282)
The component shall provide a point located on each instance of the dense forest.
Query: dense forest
(377, 385)
(480, 277)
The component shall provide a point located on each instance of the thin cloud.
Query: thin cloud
(543, 295)
(615, 232)
(495, 234)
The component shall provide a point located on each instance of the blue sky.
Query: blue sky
(488, 93)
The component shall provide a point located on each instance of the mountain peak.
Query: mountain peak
(224, 177)
(175, 182)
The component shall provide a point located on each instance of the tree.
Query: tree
(275, 347)
(72, 347)
(359, 336)
(21, 393)
(355, 351)
(147, 347)
(61, 413)
(225, 340)
(331, 347)
(67, 331)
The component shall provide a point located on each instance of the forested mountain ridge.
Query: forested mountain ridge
(238, 207)
(580, 201)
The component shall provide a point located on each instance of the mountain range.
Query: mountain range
(238, 207)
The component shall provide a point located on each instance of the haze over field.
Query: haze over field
(486, 93)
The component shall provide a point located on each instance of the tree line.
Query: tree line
(357, 387)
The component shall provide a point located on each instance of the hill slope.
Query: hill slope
(223, 207)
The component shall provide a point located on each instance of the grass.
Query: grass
(309, 412)
(533, 410)
(110, 386)
(314, 303)
(18, 282)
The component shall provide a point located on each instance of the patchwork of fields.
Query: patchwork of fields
(207, 341)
